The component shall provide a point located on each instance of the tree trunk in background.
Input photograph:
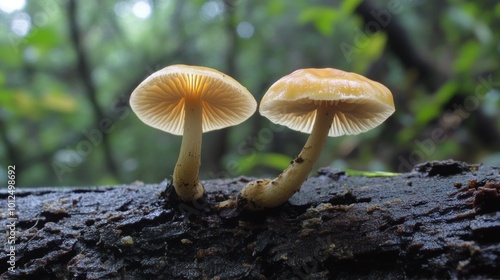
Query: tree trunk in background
(442, 220)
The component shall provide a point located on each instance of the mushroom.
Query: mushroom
(320, 102)
(189, 100)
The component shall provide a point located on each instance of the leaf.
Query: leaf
(275, 8)
(59, 102)
(351, 172)
(469, 54)
(26, 105)
(323, 18)
(348, 7)
(369, 53)
(426, 110)
(271, 160)
(107, 181)
(432, 108)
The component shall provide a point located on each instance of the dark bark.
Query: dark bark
(442, 220)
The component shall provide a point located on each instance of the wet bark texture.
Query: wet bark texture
(442, 220)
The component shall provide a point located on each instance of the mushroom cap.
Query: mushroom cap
(159, 100)
(359, 104)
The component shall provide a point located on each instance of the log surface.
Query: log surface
(442, 220)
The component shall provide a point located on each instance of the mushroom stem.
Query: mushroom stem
(185, 179)
(267, 193)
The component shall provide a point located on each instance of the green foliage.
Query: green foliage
(50, 128)
(443, 95)
(369, 54)
(468, 55)
(325, 18)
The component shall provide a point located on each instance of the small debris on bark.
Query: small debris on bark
(442, 168)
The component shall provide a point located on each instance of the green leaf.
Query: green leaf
(7, 100)
(406, 134)
(348, 7)
(427, 109)
(351, 172)
(107, 181)
(432, 108)
(468, 55)
(59, 102)
(276, 7)
(271, 160)
(323, 18)
(43, 38)
(369, 53)
(26, 105)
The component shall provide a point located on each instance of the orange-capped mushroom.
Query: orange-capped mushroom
(189, 100)
(320, 102)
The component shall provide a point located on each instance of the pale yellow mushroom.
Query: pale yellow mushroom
(320, 102)
(189, 100)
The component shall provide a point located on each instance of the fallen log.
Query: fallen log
(442, 220)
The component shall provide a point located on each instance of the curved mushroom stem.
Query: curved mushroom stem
(267, 193)
(185, 179)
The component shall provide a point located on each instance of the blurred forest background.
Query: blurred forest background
(68, 68)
